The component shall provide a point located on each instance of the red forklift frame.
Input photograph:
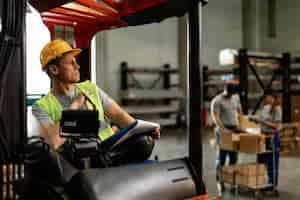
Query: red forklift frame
(88, 17)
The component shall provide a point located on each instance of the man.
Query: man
(58, 61)
(225, 110)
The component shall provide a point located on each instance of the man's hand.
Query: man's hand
(78, 101)
(254, 119)
(115, 129)
(50, 132)
(156, 133)
(225, 130)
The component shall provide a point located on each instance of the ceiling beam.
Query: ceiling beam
(42, 6)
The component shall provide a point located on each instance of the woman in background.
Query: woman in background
(270, 119)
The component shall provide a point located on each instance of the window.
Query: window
(1, 3)
(38, 83)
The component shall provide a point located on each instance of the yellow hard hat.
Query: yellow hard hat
(55, 49)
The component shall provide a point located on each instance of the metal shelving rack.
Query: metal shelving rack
(282, 68)
(159, 101)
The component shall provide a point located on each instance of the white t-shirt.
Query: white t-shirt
(228, 109)
(271, 116)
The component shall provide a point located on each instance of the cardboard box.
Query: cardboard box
(252, 143)
(228, 174)
(250, 181)
(251, 169)
(295, 108)
(229, 169)
(230, 141)
(251, 175)
(246, 123)
(289, 129)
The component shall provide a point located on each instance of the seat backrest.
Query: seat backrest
(46, 164)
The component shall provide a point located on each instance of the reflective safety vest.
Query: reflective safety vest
(51, 105)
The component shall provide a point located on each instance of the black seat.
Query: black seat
(49, 170)
(169, 180)
(47, 164)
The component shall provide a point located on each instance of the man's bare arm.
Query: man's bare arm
(50, 132)
(217, 120)
(120, 117)
(273, 125)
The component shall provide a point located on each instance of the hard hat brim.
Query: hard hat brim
(73, 52)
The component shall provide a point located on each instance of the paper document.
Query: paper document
(139, 127)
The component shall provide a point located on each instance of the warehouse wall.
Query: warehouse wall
(256, 30)
(252, 24)
(157, 44)
(287, 27)
(143, 46)
(222, 28)
(248, 27)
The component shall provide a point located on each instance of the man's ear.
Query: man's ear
(53, 69)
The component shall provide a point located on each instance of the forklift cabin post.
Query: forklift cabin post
(194, 95)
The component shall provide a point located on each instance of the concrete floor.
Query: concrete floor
(173, 144)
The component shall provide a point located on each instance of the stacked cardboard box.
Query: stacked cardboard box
(290, 138)
(252, 143)
(250, 175)
(230, 141)
(243, 142)
(228, 174)
(295, 109)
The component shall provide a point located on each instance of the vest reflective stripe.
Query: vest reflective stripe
(51, 105)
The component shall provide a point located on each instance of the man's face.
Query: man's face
(230, 89)
(278, 101)
(269, 99)
(68, 69)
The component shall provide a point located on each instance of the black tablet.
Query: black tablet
(79, 123)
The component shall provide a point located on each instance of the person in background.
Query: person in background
(225, 111)
(270, 119)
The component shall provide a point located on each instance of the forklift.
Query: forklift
(173, 179)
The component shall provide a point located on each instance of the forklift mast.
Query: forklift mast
(12, 79)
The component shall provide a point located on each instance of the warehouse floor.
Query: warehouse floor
(173, 145)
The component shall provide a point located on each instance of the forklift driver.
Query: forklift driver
(58, 61)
